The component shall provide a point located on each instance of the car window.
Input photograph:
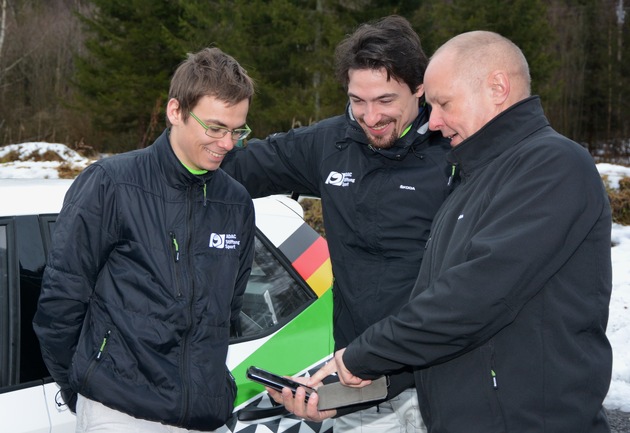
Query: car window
(273, 294)
(4, 308)
(47, 223)
(32, 260)
(4, 266)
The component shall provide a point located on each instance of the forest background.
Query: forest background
(94, 74)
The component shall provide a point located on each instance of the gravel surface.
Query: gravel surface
(619, 421)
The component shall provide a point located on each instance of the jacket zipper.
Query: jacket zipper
(452, 176)
(185, 349)
(175, 248)
(493, 373)
(103, 344)
(97, 358)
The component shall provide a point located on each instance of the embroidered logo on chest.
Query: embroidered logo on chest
(339, 179)
(223, 241)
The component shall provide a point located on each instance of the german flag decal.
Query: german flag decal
(312, 263)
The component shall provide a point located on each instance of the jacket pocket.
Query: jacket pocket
(490, 375)
(92, 350)
(100, 353)
(463, 388)
(174, 246)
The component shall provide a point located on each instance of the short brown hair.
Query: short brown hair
(209, 72)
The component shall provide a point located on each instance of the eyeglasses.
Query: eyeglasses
(216, 131)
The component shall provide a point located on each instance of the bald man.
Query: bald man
(506, 325)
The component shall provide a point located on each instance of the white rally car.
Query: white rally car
(286, 317)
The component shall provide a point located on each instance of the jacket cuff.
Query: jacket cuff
(355, 365)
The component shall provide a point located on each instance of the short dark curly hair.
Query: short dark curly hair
(389, 43)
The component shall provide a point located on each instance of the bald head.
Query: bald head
(471, 79)
(477, 54)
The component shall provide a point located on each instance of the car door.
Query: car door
(285, 323)
(27, 393)
(289, 298)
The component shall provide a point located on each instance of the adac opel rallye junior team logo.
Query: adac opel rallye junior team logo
(223, 241)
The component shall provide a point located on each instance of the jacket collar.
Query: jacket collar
(172, 169)
(507, 130)
(418, 133)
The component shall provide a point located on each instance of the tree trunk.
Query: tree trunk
(3, 25)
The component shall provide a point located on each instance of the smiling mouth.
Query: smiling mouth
(380, 127)
(216, 155)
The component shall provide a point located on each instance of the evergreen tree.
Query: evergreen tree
(286, 46)
(604, 114)
(134, 48)
(522, 21)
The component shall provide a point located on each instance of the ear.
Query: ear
(499, 83)
(420, 91)
(173, 112)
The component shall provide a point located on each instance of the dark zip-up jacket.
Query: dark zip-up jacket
(377, 206)
(148, 269)
(506, 324)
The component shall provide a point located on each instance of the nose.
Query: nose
(435, 121)
(226, 142)
(371, 116)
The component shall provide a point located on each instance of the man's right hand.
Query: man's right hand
(336, 365)
(298, 406)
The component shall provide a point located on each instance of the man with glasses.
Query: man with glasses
(381, 175)
(137, 300)
(217, 131)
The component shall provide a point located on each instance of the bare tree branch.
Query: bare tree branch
(3, 24)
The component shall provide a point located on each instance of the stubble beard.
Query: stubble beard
(380, 142)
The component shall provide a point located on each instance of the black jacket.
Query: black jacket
(377, 206)
(506, 324)
(148, 269)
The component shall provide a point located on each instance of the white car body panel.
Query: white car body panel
(36, 408)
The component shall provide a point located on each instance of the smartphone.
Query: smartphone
(276, 382)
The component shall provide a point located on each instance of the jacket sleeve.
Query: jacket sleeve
(281, 163)
(539, 214)
(82, 238)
